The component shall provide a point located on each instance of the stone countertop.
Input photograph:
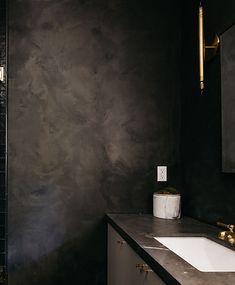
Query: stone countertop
(139, 232)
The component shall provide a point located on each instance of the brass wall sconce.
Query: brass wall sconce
(202, 47)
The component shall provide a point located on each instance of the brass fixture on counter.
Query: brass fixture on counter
(227, 235)
(203, 47)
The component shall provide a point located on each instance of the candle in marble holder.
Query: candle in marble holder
(166, 206)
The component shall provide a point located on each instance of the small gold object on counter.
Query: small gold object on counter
(227, 235)
(222, 235)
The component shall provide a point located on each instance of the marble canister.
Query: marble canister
(166, 206)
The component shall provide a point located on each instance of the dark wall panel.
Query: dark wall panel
(3, 143)
(93, 106)
(208, 193)
(227, 58)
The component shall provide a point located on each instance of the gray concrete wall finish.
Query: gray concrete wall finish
(94, 104)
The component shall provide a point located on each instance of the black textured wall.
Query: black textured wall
(227, 59)
(208, 194)
(93, 105)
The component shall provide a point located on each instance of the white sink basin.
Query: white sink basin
(202, 253)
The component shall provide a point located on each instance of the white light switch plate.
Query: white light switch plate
(162, 173)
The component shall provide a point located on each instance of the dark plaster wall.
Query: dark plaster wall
(227, 59)
(208, 193)
(93, 105)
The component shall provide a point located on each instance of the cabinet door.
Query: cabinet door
(125, 267)
(122, 261)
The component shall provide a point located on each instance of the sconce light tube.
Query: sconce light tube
(201, 48)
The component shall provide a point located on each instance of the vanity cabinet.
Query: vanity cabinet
(125, 267)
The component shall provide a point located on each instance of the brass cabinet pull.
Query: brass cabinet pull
(144, 268)
(121, 242)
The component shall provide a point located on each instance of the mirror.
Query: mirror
(227, 55)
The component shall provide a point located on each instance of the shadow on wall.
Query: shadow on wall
(75, 262)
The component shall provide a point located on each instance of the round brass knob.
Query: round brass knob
(231, 239)
(222, 235)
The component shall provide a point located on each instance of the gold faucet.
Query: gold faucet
(227, 235)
